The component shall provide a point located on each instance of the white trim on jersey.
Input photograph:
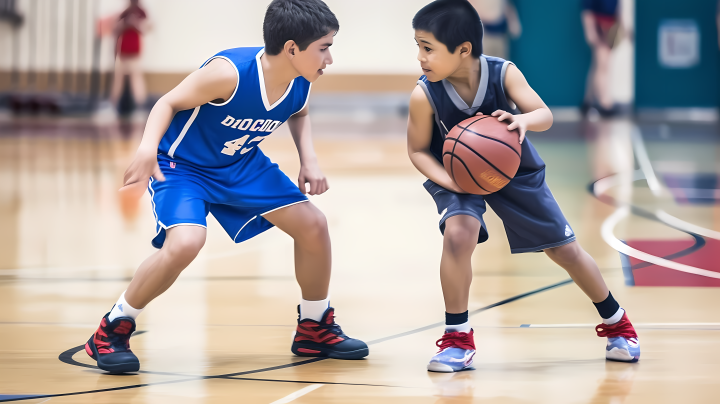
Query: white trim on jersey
(479, 96)
(237, 84)
(306, 100)
(502, 83)
(261, 77)
(179, 139)
(152, 199)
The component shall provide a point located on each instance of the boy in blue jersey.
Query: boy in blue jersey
(461, 82)
(199, 155)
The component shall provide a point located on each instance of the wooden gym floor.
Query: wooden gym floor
(221, 334)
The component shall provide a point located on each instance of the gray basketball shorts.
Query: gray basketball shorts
(532, 218)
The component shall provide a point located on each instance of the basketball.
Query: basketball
(481, 155)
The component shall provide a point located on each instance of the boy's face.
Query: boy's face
(436, 61)
(311, 62)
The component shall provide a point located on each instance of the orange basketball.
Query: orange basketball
(481, 155)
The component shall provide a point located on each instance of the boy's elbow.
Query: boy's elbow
(547, 121)
(550, 119)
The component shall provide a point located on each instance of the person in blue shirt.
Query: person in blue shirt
(459, 83)
(199, 154)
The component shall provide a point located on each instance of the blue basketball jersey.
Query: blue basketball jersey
(450, 109)
(220, 134)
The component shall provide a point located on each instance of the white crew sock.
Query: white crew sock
(464, 327)
(123, 309)
(615, 318)
(313, 309)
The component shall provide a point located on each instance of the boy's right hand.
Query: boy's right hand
(144, 166)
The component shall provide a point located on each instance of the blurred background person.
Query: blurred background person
(128, 27)
(602, 24)
(500, 23)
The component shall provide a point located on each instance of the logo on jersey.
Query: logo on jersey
(568, 231)
(256, 125)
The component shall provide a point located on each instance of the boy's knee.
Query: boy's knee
(315, 227)
(460, 239)
(185, 244)
(566, 253)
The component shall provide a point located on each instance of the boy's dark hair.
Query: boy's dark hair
(452, 22)
(303, 21)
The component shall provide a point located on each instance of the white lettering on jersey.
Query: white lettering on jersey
(255, 124)
(228, 121)
(245, 124)
(266, 125)
(273, 126)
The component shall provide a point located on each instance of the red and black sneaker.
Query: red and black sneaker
(110, 345)
(326, 339)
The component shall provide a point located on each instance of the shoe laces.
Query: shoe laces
(622, 328)
(330, 325)
(456, 339)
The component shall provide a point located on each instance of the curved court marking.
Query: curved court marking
(646, 172)
(607, 234)
(681, 224)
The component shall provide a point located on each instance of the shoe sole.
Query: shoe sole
(116, 368)
(620, 355)
(633, 360)
(438, 367)
(329, 353)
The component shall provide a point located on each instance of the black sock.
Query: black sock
(608, 307)
(455, 319)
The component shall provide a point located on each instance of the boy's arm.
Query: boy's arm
(536, 116)
(215, 81)
(419, 137)
(310, 172)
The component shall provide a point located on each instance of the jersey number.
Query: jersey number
(233, 146)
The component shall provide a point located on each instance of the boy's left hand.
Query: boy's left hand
(516, 122)
(311, 173)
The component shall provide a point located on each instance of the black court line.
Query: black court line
(476, 311)
(67, 357)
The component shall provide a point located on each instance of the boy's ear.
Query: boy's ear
(290, 48)
(465, 49)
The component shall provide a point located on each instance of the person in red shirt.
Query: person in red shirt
(131, 24)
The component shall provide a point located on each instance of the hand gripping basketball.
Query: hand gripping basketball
(481, 155)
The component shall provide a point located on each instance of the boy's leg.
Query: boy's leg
(160, 270)
(623, 343)
(459, 242)
(317, 333)
(307, 225)
(582, 269)
(457, 346)
(110, 343)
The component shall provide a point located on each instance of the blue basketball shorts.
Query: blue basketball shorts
(237, 195)
(532, 218)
